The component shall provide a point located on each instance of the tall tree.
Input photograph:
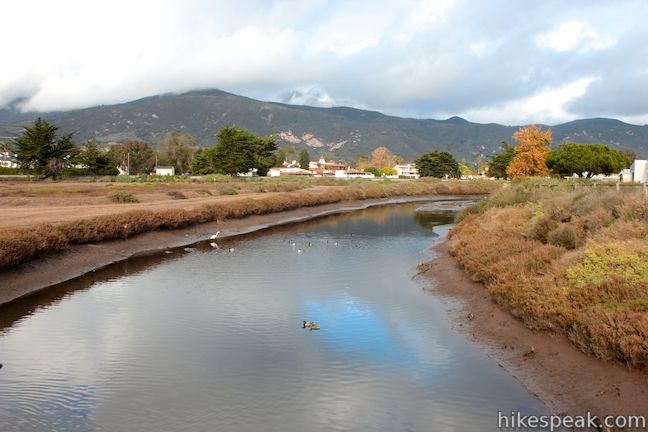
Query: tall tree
(40, 150)
(362, 161)
(304, 159)
(177, 149)
(96, 160)
(239, 151)
(587, 160)
(438, 164)
(499, 163)
(134, 157)
(381, 157)
(530, 152)
(203, 162)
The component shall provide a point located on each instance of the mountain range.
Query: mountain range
(339, 132)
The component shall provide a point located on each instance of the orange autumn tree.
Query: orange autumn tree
(530, 152)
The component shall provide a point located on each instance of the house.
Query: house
(639, 171)
(472, 176)
(407, 170)
(291, 164)
(7, 160)
(163, 171)
(625, 176)
(321, 172)
(327, 165)
(279, 171)
(352, 173)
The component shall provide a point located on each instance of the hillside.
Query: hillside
(341, 130)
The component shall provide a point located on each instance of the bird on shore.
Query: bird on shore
(230, 250)
(213, 237)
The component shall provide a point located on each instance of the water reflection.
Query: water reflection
(212, 340)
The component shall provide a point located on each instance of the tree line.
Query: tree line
(41, 150)
(532, 156)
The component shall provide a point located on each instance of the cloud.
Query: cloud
(312, 96)
(403, 57)
(573, 35)
(547, 106)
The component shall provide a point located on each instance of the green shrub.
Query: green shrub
(123, 197)
(228, 191)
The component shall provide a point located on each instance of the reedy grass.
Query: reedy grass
(568, 260)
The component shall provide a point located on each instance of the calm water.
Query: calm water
(211, 340)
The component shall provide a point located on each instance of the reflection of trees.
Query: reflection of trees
(429, 220)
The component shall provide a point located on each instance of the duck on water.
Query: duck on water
(310, 324)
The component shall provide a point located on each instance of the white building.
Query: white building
(327, 165)
(276, 172)
(352, 173)
(164, 171)
(625, 176)
(7, 160)
(407, 170)
(639, 171)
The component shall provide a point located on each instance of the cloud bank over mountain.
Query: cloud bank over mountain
(496, 61)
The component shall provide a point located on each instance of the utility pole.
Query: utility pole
(128, 163)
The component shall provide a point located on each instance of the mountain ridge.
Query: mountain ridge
(342, 132)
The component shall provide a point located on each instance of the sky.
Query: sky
(510, 62)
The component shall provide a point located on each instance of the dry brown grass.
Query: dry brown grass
(574, 262)
(20, 245)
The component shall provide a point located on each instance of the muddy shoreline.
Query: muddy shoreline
(567, 380)
(41, 273)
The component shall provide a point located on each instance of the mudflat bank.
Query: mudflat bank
(566, 379)
(79, 259)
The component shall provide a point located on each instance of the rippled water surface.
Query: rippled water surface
(211, 340)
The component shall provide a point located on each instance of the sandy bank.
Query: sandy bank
(569, 381)
(79, 259)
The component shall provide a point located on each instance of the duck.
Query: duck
(314, 327)
(308, 324)
(299, 251)
(230, 250)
